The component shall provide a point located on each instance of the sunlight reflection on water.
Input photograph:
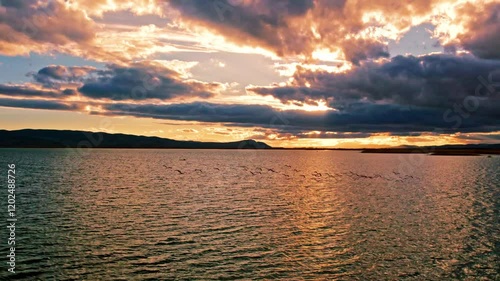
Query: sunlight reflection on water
(128, 214)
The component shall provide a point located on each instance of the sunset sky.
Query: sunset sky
(338, 73)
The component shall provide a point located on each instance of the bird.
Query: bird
(271, 170)
(288, 166)
(168, 167)
(252, 173)
(385, 178)
(179, 171)
(217, 169)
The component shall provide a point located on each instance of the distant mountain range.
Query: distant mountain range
(64, 138)
(30, 138)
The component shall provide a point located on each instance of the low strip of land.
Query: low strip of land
(451, 151)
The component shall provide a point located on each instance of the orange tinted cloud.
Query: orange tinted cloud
(355, 30)
(39, 26)
(474, 27)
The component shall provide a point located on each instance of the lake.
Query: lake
(125, 214)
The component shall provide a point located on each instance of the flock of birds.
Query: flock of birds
(290, 172)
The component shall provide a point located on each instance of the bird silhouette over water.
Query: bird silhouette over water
(271, 170)
(180, 172)
(167, 167)
(316, 174)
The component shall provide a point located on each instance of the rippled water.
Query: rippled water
(225, 215)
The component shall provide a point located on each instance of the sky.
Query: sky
(291, 73)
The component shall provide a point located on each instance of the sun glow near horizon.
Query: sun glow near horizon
(350, 74)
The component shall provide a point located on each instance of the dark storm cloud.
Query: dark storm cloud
(365, 118)
(285, 26)
(268, 12)
(28, 91)
(362, 49)
(36, 104)
(290, 27)
(198, 111)
(53, 75)
(138, 81)
(258, 24)
(142, 81)
(433, 81)
(362, 119)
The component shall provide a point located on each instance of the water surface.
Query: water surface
(105, 214)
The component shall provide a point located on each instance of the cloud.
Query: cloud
(365, 118)
(360, 120)
(400, 95)
(138, 81)
(360, 30)
(99, 7)
(403, 95)
(198, 111)
(53, 75)
(30, 90)
(350, 30)
(258, 20)
(144, 80)
(482, 25)
(38, 26)
(432, 81)
(37, 104)
(286, 27)
(270, 134)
